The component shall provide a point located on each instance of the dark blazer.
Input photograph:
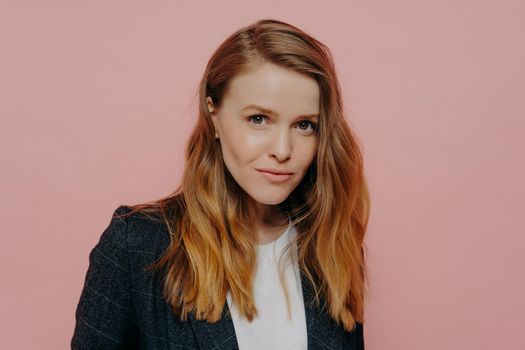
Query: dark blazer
(122, 307)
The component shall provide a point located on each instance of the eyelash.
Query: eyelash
(312, 124)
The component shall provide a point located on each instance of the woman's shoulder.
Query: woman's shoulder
(141, 232)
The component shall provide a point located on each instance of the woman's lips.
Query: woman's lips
(275, 177)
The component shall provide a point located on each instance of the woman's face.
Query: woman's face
(268, 120)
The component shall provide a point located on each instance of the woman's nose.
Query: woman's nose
(281, 145)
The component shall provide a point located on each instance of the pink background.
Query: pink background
(97, 104)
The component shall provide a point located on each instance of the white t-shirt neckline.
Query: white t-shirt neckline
(272, 329)
(280, 241)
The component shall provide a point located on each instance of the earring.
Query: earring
(216, 135)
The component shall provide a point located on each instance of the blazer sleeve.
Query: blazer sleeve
(359, 339)
(104, 315)
(355, 338)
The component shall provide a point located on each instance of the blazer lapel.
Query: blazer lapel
(219, 335)
(323, 332)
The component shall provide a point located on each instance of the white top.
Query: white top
(271, 329)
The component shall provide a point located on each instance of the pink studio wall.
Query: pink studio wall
(97, 103)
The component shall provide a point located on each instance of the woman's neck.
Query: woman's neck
(267, 222)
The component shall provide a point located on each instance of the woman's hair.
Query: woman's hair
(212, 249)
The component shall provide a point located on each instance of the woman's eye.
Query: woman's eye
(256, 118)
(306, 123)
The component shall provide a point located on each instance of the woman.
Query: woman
(261, 245)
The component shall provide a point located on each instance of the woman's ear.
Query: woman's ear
(211, 109)
(209, 102)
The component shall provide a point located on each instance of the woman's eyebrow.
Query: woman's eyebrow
(269, 111)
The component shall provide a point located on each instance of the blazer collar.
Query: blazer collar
(323, 332)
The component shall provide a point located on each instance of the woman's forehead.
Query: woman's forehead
(274, 88)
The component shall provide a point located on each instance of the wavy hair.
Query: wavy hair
(212, 249)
